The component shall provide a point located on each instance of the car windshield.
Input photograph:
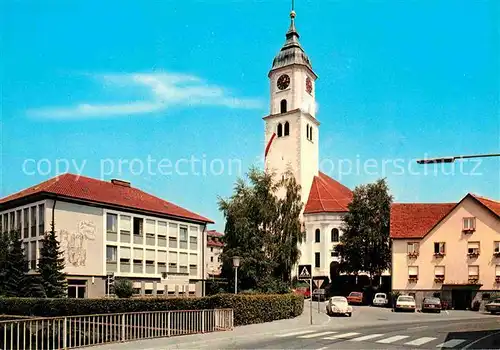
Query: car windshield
(409, 299)
(355, 294)
(339, 300)
(432, 300)
(380, 295)
(496, 301)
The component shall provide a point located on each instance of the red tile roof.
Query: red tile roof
(415, 220)
(327, 195)
(102, 192)
(214, 233)
(492, 205)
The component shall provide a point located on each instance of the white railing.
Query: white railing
(80, 331)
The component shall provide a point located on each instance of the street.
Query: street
(368, 328)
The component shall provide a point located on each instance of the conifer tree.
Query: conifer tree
(51, 266)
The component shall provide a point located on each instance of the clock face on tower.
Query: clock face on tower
(283, 82)
(309, 85)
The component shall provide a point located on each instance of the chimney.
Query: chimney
(120, 182)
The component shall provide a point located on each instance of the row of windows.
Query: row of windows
(284, 130)
(150, 255)
(156, 232)
(25, 221)
(440, 248)
(334, 235)
(439, 272)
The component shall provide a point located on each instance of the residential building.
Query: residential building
(111, 229)
(213, 253)
(292, 144)
(450, 250)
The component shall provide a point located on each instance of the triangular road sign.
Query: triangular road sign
(318, 283)
(304, 272)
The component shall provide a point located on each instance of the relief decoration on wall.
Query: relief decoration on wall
(75, 243)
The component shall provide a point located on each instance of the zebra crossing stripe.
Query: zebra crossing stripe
(294, 333)
(420, 341)
(367, 337)
(392, 339)
(315, 335)
(450, 343)
(344, 335)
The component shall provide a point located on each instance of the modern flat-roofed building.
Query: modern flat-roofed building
(213, 254)
(450, 250)
(111, 229)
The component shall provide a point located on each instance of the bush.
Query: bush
(124, 288)
(248, 309)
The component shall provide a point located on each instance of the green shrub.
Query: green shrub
(248, 309)
(124, 288)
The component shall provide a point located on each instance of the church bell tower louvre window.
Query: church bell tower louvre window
(283, 106)
(287, 129)
(280, 130)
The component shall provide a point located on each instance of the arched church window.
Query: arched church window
(287, 129)
(283, 106)
(307, 131)
(317, 235)
(335, 235)
(280, 130)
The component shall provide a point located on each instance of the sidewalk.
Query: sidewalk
(261, 329)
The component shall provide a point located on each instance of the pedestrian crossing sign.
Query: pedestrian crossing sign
(305, 272)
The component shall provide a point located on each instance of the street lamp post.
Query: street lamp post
(452, 159)
(236, 264)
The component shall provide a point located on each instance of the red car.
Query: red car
(355, 298)
(304, 291)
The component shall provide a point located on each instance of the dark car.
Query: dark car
(431, 305)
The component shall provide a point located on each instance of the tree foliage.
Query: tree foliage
(51, 266)
(263, 228)
(365, 243)
(14, 269)
(124, 288)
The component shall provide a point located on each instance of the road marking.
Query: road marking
(315, 335)
(294, 333)
(323, 348)
(367, 337)
(420, 341)
(415, 328)
(450, 343)
(341, 336)
(392, 339)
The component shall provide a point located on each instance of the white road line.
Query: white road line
(315, 335)
(392, 339)
(420, 341)
(323, 348)
(342, 336)
(367, 337)
(450, 343)
(294, 333)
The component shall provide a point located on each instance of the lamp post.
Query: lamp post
(236, 264)
(452, 159)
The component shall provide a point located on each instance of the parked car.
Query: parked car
(355, 298)
(304, 291)
(338, 306)
(493, 306)
(380, 299)
(405, 302)
(431, 305)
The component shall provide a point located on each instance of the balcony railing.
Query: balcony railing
(496, 254)
(439, 278)
(473, 255)
(412, 278)
(439, 255)
(497, 279)
(82, 331)
(412, 254)
(473, 279)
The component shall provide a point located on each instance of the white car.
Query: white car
(405, 302)
(338, 306)
(380, 299)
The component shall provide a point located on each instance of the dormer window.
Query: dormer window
(283, 106)
(287, 129)
(280, 130)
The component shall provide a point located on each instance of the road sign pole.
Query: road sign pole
(311, 302)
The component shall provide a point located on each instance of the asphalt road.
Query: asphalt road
(467, 334)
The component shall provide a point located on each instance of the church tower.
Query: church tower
(291, 128)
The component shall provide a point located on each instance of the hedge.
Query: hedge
(248, 309)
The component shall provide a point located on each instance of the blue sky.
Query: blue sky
(93, 82)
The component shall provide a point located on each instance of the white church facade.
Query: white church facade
(292, 143)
